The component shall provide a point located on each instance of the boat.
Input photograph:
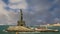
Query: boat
(46, 30)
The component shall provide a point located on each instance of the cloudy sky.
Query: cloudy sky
(35, 12)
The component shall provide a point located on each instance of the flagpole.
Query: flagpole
(17, 33)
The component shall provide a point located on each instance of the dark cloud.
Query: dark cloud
(37, 12)
(46, 10)
(6, 1)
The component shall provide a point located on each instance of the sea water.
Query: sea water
(4, 27)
